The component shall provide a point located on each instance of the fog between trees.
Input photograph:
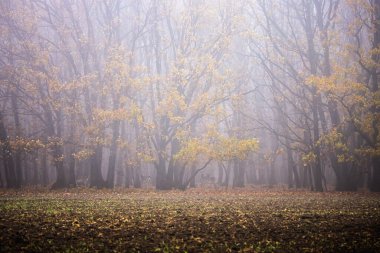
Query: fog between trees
(177, 94)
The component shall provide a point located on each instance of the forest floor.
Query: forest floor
(85, 220)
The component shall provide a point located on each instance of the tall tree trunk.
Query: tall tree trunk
(113, 153)
(317, 168)
(236, 173)
(239, 173)
(375, 184)
(57, 148)
(272, 176)
(161, 173)
(192, 178)
(128, 176)
(17, 155)
(7, 156)
(137, 176)
(227, 171)
(71, 179)
(220, 173)
(96, 178)
(44, 168)
(292, 170)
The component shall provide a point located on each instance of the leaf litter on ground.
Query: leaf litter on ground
(198, 220)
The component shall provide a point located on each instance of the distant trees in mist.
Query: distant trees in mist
(172, 94)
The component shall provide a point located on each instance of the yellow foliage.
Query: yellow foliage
(215, 146)
(308, 158)
(28, 145)
(173, 101)
(145, 157)
(83, 154)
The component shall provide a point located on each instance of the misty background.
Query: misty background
(176, 94)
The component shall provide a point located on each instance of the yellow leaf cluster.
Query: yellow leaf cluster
(308, 158)
(216, 146)
(173, 101)
(83, 154)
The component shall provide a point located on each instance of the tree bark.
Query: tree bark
(17, 155)
(57, 148)
(113, 153)
(10, 174)
(375, 183)
(96, 178)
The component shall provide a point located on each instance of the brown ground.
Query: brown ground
(191, 221)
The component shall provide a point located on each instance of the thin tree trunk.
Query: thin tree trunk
(17, 155)
(113, 153)
(375, 183)
(8, 163)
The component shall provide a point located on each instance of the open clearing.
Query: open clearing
(191, 221)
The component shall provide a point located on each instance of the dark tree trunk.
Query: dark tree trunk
(128, 176)
(239, 173)
(310, 178)
(194, 172)
(227, 171)
(375, 183)
(180, 178)
(293, 176)
(312, 57)
(170, 174)
(137, 176)
(317, 168)
(272, 177)
(220, 173)
(44, 168)
(96, 178)
(161, 174)
(71, 178)
(113, 153)
(173, 165)
(346, 179)
(177, 181)
(17, 155)
(34, 168)
(290, 168)
(57, 149)
(236, 174)
(306, 178)
(8, 163)
(191, 182)
(71, 181)
(60, 181)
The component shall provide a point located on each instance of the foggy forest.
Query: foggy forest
(177, 125)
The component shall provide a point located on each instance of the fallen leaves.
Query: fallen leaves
(192, 221)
